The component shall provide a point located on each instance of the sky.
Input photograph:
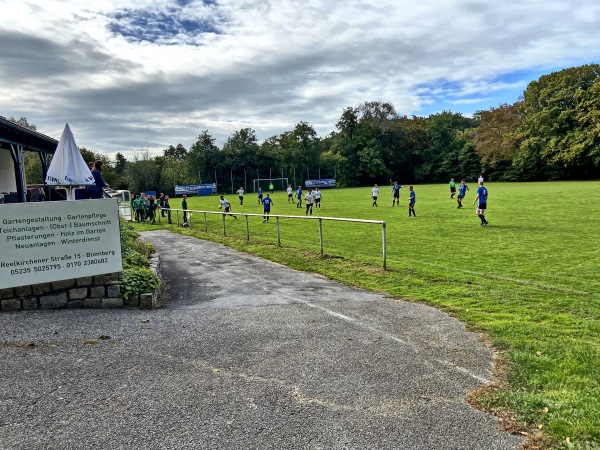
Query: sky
(135, 76)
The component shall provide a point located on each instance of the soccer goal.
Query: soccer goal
(279, 184)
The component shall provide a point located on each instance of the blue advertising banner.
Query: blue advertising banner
(196, 189)
(207, 189)
(320, 183)
(188, 189)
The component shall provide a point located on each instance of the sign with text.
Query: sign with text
(51, 241)
(322, 182)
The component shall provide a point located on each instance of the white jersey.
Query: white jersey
(375, 192)
(290, 191)
(224, 203)
(240, 192)
(309, 198)
(317, 195)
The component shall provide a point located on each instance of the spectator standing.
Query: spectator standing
(168, 208)
(184, 206)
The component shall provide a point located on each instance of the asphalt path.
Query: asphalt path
(248, 355)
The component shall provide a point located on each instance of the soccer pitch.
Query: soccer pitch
(529, 280)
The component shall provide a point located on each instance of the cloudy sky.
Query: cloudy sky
(153, 73)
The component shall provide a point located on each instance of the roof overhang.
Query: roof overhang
(11, 133)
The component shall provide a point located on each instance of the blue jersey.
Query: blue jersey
(396, 189)
(413, 197)
(259, 191)
(267, 203)
(462, 190)
(483, 194)
(299, 193)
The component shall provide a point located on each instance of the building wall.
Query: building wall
(8, 182)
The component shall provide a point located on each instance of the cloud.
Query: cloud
(162, 71)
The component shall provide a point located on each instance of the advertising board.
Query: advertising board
(52, 241)
(320, 183)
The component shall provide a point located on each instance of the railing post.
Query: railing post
(205, 224)
(224, 228)
(177, 217)
(278, 234)
(321, 234)
(247, 229)
(384, 246)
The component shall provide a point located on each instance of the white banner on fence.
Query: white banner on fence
(51, 241)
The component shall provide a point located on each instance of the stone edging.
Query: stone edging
(100, 291)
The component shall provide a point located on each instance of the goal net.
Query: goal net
(279, 184)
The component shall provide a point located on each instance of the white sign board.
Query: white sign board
(51, 241)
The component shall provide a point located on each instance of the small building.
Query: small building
(14, 140)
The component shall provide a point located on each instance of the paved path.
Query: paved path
(248, 355)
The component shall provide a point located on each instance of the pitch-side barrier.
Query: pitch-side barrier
(190, 212)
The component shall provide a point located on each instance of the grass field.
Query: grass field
(529, 281)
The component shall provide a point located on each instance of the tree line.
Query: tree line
(551, 132)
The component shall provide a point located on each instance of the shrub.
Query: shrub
(138, 280)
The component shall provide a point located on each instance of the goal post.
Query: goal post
(279, 184)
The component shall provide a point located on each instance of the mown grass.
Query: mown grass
(529, 281)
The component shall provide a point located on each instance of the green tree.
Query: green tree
(440, 156)
(204, 158)
(179, 152)
(242, 152)
(143, 173)
(559, 124)
(497, 138)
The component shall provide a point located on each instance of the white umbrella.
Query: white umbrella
(68, 167)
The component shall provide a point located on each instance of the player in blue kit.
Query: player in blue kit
(260, 195)
(267, 202)
(299, 197)
(396, 193)
(411, 201)
(482, 195)
(462, 191)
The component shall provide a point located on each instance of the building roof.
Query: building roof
(11, 133)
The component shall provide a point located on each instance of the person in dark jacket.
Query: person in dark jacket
(167, 207)
(151, 209)
(95, 190)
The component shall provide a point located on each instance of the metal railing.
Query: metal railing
(187, 213)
